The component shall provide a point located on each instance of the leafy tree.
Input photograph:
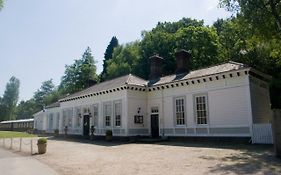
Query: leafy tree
(46, 89)
(264, 15)
(78, 75)
(187, 34)
(26, 109)
(124, 60)
(108, 56)
(202, 42)
(1, 4)
(10, 99)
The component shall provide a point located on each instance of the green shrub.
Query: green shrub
(42, 141)
(108, 132)
(56, 131)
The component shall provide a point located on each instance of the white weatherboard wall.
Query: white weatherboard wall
(228, 108)
(137, 105)
(260, 100)
(71, 106)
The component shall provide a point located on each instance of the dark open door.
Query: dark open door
(86, 125)
(154, 125)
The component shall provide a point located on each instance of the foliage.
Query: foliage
(107, 57)
(264, 15)
(108, 132)
(124, 60)
(78, 75)
(13, 134)
(9, 101)
(26, 109)
(1, 4)
(41, 94)
(42, 141)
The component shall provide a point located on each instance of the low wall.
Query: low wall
(277, 131)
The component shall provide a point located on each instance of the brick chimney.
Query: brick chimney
(183, 59)
(156, 64)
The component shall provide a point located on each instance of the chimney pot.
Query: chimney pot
(156, 64)
(183, 61)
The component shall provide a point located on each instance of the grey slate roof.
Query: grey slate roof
(53, 105)
(226, 67)
(110, 84)
(134, 80)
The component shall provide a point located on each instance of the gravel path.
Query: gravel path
(103, 158)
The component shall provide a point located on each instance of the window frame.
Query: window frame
(184, 111)
(105, 116)
(114, 113)
(206, 110)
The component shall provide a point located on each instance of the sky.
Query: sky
(38, 38)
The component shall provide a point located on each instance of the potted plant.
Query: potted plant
(42, 145)
(108, 135)
(56, 132)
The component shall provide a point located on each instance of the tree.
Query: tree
(78, 75)
(1, 4)
(46, 89)
(124, 60)
(202, 42)
(108, 56)
(264, 15)
(10, 99)
(26, 109)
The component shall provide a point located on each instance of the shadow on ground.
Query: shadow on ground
(99, 142)
(251, 159)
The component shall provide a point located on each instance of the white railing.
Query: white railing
(262, 134)
(19, 144)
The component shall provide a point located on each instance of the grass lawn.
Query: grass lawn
(13, 134)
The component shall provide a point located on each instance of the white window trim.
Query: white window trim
(121, 113)
(185, 111)
(95, 118)
(207, 108)
(104, 112)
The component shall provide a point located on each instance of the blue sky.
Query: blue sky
(38, 38)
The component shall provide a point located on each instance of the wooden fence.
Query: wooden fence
(262, 134)
(26, 145)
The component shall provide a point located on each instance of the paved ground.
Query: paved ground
(15, 164)
(102, 158)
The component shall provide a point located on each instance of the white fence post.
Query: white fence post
(20, 143)
(11, 145)
(31, 146)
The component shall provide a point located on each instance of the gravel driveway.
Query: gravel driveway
(103, 158)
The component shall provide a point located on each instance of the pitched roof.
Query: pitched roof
(226, 67)
(134, 80)
(53, 105)
(110, 84)
(17, 121)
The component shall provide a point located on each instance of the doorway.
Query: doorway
(154, 125)
(86, 125)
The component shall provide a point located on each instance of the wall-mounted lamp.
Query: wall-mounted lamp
(139, 110)
(79, 115)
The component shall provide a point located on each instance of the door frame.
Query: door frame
(158, 133)
(88, 116)
(154, 110)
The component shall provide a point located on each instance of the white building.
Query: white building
(223, 100)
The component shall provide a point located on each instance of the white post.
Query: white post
(11, 146)
(31, 146)
(20, 143)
